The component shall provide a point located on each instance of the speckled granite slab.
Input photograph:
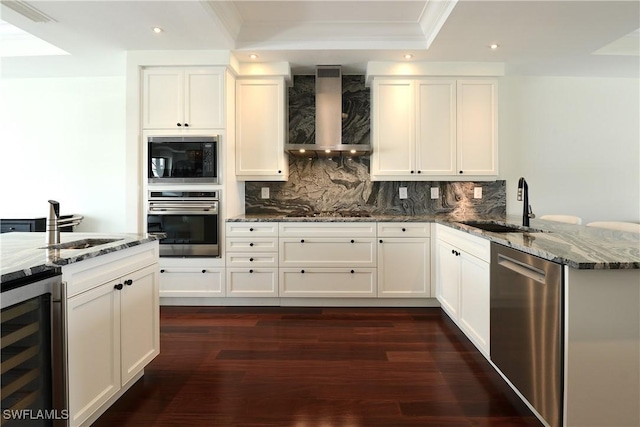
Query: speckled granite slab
(22, 254)
(577, 246)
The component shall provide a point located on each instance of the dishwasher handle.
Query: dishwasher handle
(522, 268)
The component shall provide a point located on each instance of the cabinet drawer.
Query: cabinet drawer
(474, 245)
(327, 252)
(252, 229)
(328, 282)
(90, 273)
(252, 282)
(257, 259)
(404, 229)
(248, 244)
(192, 282)
(327, 229)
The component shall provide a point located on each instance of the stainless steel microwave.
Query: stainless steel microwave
(183, 159)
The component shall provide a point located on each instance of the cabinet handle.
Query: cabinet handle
(251, 229)
(128, 282)
(251, 259)
(250, 271)
(353, 241)
(179, 124)
(461, 172)
(186, 125)
(302, 271)
(162, 271)
(380, 240)
(250, 244)
(118, 286)
(301, 240)
(352, 271)
(204, 271)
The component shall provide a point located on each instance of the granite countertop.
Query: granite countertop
(24, 254)
(577, 246)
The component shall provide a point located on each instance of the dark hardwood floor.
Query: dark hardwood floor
(316, 367)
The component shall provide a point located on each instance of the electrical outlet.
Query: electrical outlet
(477, 192)
(264, 194)
(403, 192)
(435, 192)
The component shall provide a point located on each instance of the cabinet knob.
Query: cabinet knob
(250, 271)
(302, 271)
(162, 271)
(412, 171)
(128, 282)
(352, 271)
(186, 125)
(419, 171)
(204, 271)
(404, 229)
(250, 244)
(251, 259)
(461, 172)
(453, 252)
(301, 240)
(178, 124)
(251, 229)
(353, 241)
(380, 240)
(118, 286)
(279, 171)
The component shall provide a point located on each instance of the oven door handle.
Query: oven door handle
(213, 211)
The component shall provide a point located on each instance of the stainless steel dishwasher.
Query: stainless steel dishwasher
(527, 327)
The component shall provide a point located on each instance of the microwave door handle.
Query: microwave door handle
(183, 212)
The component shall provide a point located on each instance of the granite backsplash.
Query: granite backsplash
(324, 184)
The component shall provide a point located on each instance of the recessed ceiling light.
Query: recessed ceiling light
(408, 56)
(353, 151)
(253, 56)
(327, 151)
(157, 30)
(302, 150)
(494, 46)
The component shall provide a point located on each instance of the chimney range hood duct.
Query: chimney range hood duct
(328, 119)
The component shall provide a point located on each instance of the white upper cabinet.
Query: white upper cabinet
(436, 128)
(183, 98)
(261, 126)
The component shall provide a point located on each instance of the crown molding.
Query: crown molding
(433, 17)
(226, 15)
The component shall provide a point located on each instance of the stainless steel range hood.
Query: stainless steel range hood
(328, 119)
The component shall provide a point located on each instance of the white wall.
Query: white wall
(64, 139)
(576, 141)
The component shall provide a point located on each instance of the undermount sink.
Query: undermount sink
(81, 244)
(501, 228)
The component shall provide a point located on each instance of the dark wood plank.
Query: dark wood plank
(272, 366)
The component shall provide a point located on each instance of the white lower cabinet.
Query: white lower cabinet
(112, 327)
(252, 259)
(462, 283)
(328, 282)
(404, 260)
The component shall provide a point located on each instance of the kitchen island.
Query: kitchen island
(110, 310)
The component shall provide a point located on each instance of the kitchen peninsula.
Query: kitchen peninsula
(601, 288)
(109, 282)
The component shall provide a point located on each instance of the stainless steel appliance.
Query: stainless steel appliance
(182, 159)
(34, 387)
(527, 327)
(188, 222)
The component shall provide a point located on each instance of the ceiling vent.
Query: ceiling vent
(26, 10)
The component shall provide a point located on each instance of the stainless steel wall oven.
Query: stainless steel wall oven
(182, 159)
(188, 222)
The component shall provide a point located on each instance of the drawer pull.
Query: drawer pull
(353, 241)
(301, 240)
(251, 229)
(162, 271)
(128, 282)
(250, 271)
(404, 229)
(250, 244)
(204, 271)
(302, 271)
(118, 286)
(380, 240)
(251, 259)
(352, 271)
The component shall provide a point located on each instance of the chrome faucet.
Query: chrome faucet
(527, 213)
(54, 222)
